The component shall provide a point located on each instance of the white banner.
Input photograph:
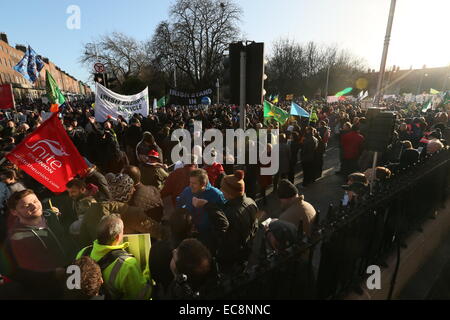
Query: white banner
(331, 99)
(109, 103)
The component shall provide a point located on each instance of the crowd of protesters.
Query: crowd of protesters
(203, 219)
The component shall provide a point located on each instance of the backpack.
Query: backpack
(108, 286)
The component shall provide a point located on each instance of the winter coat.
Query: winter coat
(352, 143)
(235, 224)
(40, 248)
(285, 158)
(134, 220)
(199, 215)
(148, 199)
(99, 180)
(176, 182)
(300, 210)
(308, 149)
(153, 175)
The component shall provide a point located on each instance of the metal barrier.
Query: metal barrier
(333, 261)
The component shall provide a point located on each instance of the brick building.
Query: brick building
(10, 56)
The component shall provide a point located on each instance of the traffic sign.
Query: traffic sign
(99, 67)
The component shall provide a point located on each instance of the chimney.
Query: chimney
(21, 47)
(4, 37)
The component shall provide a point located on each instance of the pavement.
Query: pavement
(321, 193)
(432, 281)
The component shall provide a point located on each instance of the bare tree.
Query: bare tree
(196, 38)
(302, 69)
(123, 56)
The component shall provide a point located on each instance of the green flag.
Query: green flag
(270, 111)
(433, 91)
(446, 98)
(162, 102)
(343, 92)
(427, 106)
(54, 95)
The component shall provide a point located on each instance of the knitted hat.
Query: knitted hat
(121, 186)
(286, 189)
(154, 154)
(284, 232)
(234, 184)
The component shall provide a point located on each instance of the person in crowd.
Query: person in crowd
(135, 219)
(36, 241)
(91, 281)
(409, 156)
(264, 181)
(93, 176)
(146, 197)
(143, 148)
(214, 169)
(235, 223)
(281, 235)
(11, 179)
(192, 267)
(285, 156)
(357, 177)
(354, 193)
(178, 180)
(76, 191)
(154, 172)
(434, 146)
(295, 209)
(132, 136)
(181, 227)
(308, 151)
(351, 143)
(295, 147)
(344, 128)
(122, 274)
(193, 199)
(381, 175)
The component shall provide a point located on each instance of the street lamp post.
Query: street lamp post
(385, 52)
(326, 85)
(218, 92)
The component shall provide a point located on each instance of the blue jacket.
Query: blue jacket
(199, 215)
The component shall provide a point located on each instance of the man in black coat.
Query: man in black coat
(235, 223)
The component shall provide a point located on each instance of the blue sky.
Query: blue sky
(418, 36)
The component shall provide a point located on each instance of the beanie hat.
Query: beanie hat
(284, 232)
(234, 185)
(286, 189)
(153, 154)
(121, 186)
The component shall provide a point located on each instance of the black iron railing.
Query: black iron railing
(333, 261)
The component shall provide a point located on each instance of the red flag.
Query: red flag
(49, 156)
(54, 108)
(6, 97)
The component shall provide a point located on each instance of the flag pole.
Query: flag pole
(242, 99)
